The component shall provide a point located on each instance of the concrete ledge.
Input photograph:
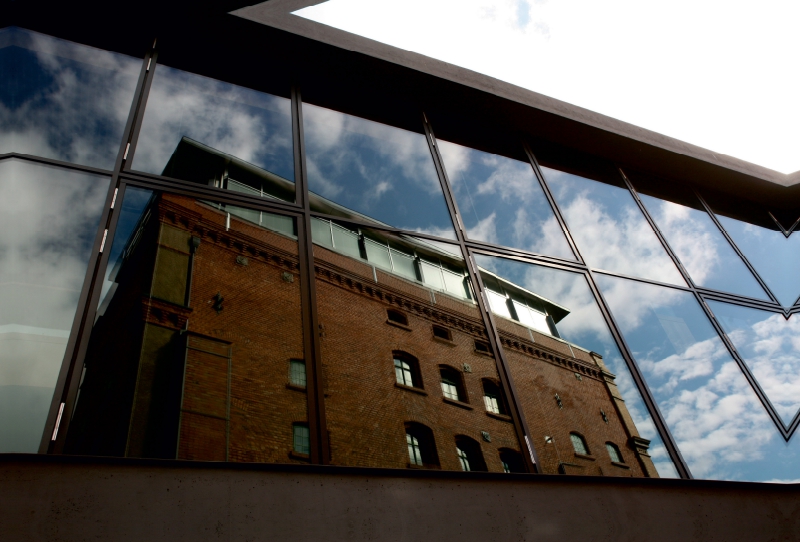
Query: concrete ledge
(68, 498)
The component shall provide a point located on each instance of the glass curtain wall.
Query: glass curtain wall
(575, 323)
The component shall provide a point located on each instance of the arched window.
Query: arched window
(469, 454)
(493, 397)
(406, 369)
(397, 317)
(579, 444)
(614, 453)
(452, 384)
(421, 446)
(512, 460)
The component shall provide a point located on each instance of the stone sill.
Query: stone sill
(457, 403)
(620, 465)
(295, 387)
(501, 417)
(398, 324)
(589, 457)
(298, 456)
(448, 342)
(410, 388)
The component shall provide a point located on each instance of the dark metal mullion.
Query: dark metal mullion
(647, 396)
(736, 248)
(482, 245)
(57, 163)
(744, 368)
(318, 428)
(60, 413)
(202, 191)
(739, 300)
(523, 433)
(641, 383)
(642, 279)
(552, 201)
(150, 70)
(662, 239)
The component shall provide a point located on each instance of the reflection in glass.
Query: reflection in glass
(197, 348)
(217, 134)
(721, 428)
(376, 170)
(609, 229)
(775, 258)
(770, 346)
(502, 202)
(62, 100)
(403, 377)
(48, 222)
(702, 249)
(570, 374)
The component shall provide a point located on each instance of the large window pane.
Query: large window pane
(768, 344)
(776, 258)
(218, 134)
(365, 170)
(62, 100)
(502, 202)
(569, 373)
(48, 222)
(196, 339)
(406, 359)
(721, 428)
(609, 228)
(702, 249)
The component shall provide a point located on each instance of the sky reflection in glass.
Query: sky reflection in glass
(502, 202)
(48, 222)
(62, 100)
(702, 249)
(721, 428)
(609, 228)
(776, 258)
(770, 346)
(382, 172)
(584, 326)
(250, 125)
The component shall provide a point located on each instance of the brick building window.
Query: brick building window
(614, 453)
(442, 333)
(482, 347)
(511, 460)
(301, 438)
(469, 454)
(397, 317)
(406, 370)
(297, 373)
(421, 446)
(579, 444)
(493, 397)
(452, 384)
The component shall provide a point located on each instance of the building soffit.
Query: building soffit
(598, 134)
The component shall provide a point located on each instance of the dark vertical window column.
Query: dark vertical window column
(520, 424)
(320, 450)
(69, 379)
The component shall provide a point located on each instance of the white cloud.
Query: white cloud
(673, 68)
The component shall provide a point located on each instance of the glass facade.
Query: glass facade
(421, 304)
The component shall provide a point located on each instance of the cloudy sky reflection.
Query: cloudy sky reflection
(501, 201)
(776, 258)
(722, 429)
(585, 327)
(609, 229)
(380, 171)
(48, 222)
(702, 249)
(63, 100)
(770, 345)
(247, 124)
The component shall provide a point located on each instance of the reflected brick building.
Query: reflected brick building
(195, 346)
